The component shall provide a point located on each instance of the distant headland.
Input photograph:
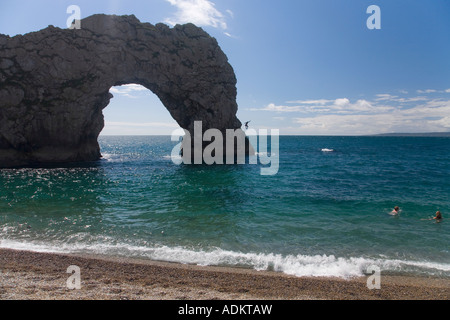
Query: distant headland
(416, 134)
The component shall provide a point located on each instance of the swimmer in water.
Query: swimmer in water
(437, 218)
(395, 212)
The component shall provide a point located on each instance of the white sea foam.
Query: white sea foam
(110, 157)
(297, 265)
(327, 150)
(174, 158)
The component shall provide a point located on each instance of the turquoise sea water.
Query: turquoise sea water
(323, 214)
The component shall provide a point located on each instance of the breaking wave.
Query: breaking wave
(297, 265)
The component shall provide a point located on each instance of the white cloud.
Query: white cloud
(431, 109)
(199, 12)
(134, 128)
(389, 97)
(321, 101)
(338, 106)
(385, 113)
(143, 124)
(427, 91)
(431, 116)
(413, 99)
(360, 124)
(385, 97)
(273, 107)
(344, 124)
(443, 122)
(342, 102)
(448, 90)
(128, 90)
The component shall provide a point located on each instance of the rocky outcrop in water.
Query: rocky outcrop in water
(54, 84)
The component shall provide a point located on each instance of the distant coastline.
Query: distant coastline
(420, 134)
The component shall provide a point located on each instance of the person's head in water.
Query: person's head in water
(438, 216)
(395, 211)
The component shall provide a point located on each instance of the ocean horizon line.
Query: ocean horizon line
(392, 134)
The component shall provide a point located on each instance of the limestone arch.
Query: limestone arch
(54, 84)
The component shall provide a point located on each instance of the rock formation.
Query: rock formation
(54, 84)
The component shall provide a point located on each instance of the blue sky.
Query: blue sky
(303, 66)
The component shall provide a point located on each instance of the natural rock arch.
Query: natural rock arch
(54, 84)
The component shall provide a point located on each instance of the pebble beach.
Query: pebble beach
(42, 276)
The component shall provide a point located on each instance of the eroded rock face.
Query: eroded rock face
(54, 84)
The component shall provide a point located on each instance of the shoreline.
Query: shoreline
(26, 275)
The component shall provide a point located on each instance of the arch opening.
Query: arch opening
(136, 111)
